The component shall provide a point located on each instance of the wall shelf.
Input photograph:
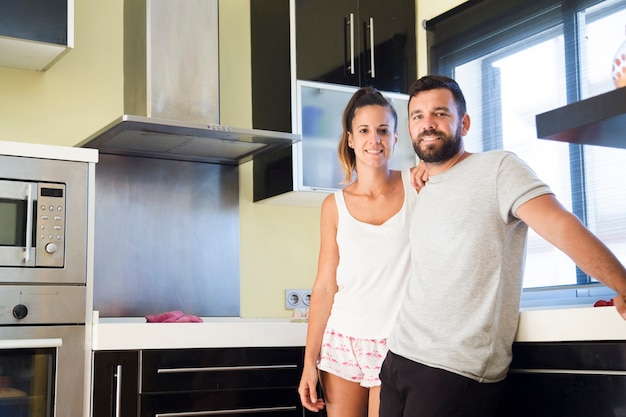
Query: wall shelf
(599, 120)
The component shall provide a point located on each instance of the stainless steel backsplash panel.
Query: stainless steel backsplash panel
(166, 237)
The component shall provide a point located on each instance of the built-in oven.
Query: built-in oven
(46, 265)
(42, 351)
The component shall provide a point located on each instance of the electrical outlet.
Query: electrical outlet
(297, 299)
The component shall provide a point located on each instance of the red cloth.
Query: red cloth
(603, 303)
(175, 316)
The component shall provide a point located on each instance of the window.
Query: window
(519, 58)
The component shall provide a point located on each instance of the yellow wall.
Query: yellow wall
(80, 94)
(84, 91)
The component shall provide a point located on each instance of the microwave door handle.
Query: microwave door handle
(29, 222)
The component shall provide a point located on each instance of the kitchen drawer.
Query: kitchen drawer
(566, 379)
(224, 368)
(280, 402)
(570, 355)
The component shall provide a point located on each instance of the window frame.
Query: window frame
(478, 28)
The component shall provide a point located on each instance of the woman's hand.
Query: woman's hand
(419, 176)
(308, 390)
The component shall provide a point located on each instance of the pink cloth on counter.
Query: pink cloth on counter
(175, 316)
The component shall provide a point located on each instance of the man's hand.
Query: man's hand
(419, 176)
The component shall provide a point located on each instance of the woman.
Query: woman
(362, 267)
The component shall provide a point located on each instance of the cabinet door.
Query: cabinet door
(391, 65)
(321, 108)
(357, 43)
(327, 41)
(563, 379)
(115, 384)
(259, 381)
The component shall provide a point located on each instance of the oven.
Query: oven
(42, 371)
(46, 265)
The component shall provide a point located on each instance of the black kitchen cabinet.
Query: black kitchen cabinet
(115, 383)
(36, 33)
(566, 379)
(251, 381)
(229, 381)
(347, 42)
(356, 42)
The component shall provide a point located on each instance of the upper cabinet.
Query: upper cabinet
(35, 34)
(356, 42)
(308, 57)
(345, 42)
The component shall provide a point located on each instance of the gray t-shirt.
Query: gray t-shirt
(461, 308)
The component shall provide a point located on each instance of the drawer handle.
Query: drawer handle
(568, 371)
(214, 412)
(222, 368)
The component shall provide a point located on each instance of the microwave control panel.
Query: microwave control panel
(50, 225)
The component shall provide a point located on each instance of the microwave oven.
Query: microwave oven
(32, 224)
(43, 220)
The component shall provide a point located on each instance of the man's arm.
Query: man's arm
(546, 216)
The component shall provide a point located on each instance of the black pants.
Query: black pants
(410, 389)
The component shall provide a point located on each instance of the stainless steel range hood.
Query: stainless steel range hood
(185, 141)
(171, 90)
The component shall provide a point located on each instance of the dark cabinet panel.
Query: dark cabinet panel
(35, 20)
(327, 41)
(271, 65)
(115, 383)
(220, 369)
(35, 33)
(566, 379)
(357, 42)
(283, 402)
(346, 42)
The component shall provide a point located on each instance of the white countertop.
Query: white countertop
(33, 150)
(570, 324)
(136, 333)
(558, 324)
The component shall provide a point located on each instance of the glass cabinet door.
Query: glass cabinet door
(320, 107)
(27, 382)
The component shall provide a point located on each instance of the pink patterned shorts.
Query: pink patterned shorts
(351, 358)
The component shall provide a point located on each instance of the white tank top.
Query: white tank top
(374, 266)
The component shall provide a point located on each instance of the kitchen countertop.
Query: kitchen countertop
(570, 324)
(34, 150)
(536, 325)
(136, 333)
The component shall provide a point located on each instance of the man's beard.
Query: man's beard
(441, 150)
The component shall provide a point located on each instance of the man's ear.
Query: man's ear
(465, 122)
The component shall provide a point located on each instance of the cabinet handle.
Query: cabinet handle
(222, 412)
(118, 391)
(351, 24)
(372, 61)
(222, 368)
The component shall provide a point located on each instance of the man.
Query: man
(451, 344)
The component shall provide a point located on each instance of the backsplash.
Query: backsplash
(166, 237)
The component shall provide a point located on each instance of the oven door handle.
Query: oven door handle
(30, 343)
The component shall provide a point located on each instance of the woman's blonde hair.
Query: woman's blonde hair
(364, 96)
